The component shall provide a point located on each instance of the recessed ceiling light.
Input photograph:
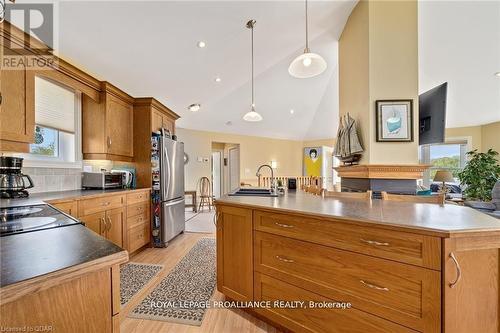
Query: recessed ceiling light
(292, 111)
(201, 44)
(217, 79)
(229, 123)
(194, 107)
(497, 74)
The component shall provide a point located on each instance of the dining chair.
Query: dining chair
(436, 199)
(352, 195)
(206, 196)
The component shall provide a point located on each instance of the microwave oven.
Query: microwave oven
(102, 180)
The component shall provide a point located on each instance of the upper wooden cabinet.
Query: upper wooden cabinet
(149, 116)
(17, 117)
(108, 126)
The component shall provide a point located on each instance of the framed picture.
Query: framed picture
(394, 120)
(313, 161)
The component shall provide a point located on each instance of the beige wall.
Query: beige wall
(481, 137)
(317, 143)
(490, 136)
(378, 59)
(254, 151)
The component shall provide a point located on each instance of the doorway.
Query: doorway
(234, 167)
(217, 173)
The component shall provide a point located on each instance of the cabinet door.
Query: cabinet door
(69, 207)
(114, 223)
(156, 121)
(95, 222)
(168, 124)
(17, 121)
(235, 252)
(119, 126)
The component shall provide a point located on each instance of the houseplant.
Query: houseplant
(480, 175)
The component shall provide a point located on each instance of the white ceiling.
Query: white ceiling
(150, 49)
(459, 43)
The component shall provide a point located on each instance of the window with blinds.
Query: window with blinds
(57, 112)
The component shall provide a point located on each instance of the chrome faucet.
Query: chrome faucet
(274, 188)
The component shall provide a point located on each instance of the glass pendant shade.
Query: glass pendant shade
(307, 65)
(252, 115)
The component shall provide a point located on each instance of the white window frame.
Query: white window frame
(37, 161)
(424, 154)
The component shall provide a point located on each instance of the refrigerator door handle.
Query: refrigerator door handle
(166, 180)
(173, 203)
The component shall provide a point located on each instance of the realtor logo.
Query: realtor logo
(36, 19)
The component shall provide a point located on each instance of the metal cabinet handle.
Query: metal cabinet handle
(372, 242)
(372, 286)
(216, 219)
(459, 270)
(280, 258)
(106, 203)
(283, 225)
(109, 224)
(109, 141)
(101, 223)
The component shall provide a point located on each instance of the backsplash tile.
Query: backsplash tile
(54, 179)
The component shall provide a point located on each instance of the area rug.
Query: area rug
(191, 281)
(133, 277)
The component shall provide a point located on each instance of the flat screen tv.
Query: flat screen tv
(432, 115)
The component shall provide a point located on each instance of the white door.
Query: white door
(216, 174)
(234, 168)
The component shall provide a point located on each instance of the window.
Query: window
(446, 156)
(57, 130)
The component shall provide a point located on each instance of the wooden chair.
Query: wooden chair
(314, 189)
(352, 195)
(206, 196)
(436, 199)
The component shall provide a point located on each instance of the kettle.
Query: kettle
(15, 182)
(128, 177)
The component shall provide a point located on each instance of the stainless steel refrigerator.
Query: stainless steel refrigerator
(167, 160)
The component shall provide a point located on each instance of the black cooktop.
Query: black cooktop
(15, 220)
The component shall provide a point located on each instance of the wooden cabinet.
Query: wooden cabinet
(17, 116)
(69, 207)
(108, 125)
(149, 116)
(124, 219)
(235, 252)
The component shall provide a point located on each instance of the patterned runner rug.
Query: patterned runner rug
(192, 281)
(133, 277)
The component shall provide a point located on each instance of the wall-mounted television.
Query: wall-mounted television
(432, 115)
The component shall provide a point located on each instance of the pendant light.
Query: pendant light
(307, 64)
(252, 115)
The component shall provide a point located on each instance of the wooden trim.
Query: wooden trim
(69, 81)
(154, 103)
(115, 289)
(12, 35)
(117, 92)
(103, 156)
(15, 291)
(382, 171)
(13, 146)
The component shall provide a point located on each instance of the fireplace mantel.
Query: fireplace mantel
(382, 171)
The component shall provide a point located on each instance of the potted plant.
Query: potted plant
(480, 175)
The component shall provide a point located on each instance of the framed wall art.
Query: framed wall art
(394, 120)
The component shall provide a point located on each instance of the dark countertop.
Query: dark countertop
(43, 197)
(28, 255)
(445, 221)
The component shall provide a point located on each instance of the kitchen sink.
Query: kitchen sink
(254, 192)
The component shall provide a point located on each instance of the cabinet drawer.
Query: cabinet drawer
(137, 209)
(138, 237)
(404, 247)
(316, 320)
(399, 292)
(140, 219)
(100, 204)
(137, 197)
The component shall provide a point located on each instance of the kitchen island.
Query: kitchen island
(403, 267)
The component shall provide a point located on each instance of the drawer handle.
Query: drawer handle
(283, 225)
(369, 285)
(459, 270)
(372, 242)
(106, 203)
(280, 258)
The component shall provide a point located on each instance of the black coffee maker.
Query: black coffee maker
(13, 184)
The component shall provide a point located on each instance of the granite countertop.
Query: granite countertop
(445, 221)
(33, 254)
(43, 197)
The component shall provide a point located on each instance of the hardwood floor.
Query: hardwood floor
(215, 321)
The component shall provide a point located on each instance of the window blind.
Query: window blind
(54, 106)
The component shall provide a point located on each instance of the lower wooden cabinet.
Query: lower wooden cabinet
(234, 252)
(69, 207)
(124, 219)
